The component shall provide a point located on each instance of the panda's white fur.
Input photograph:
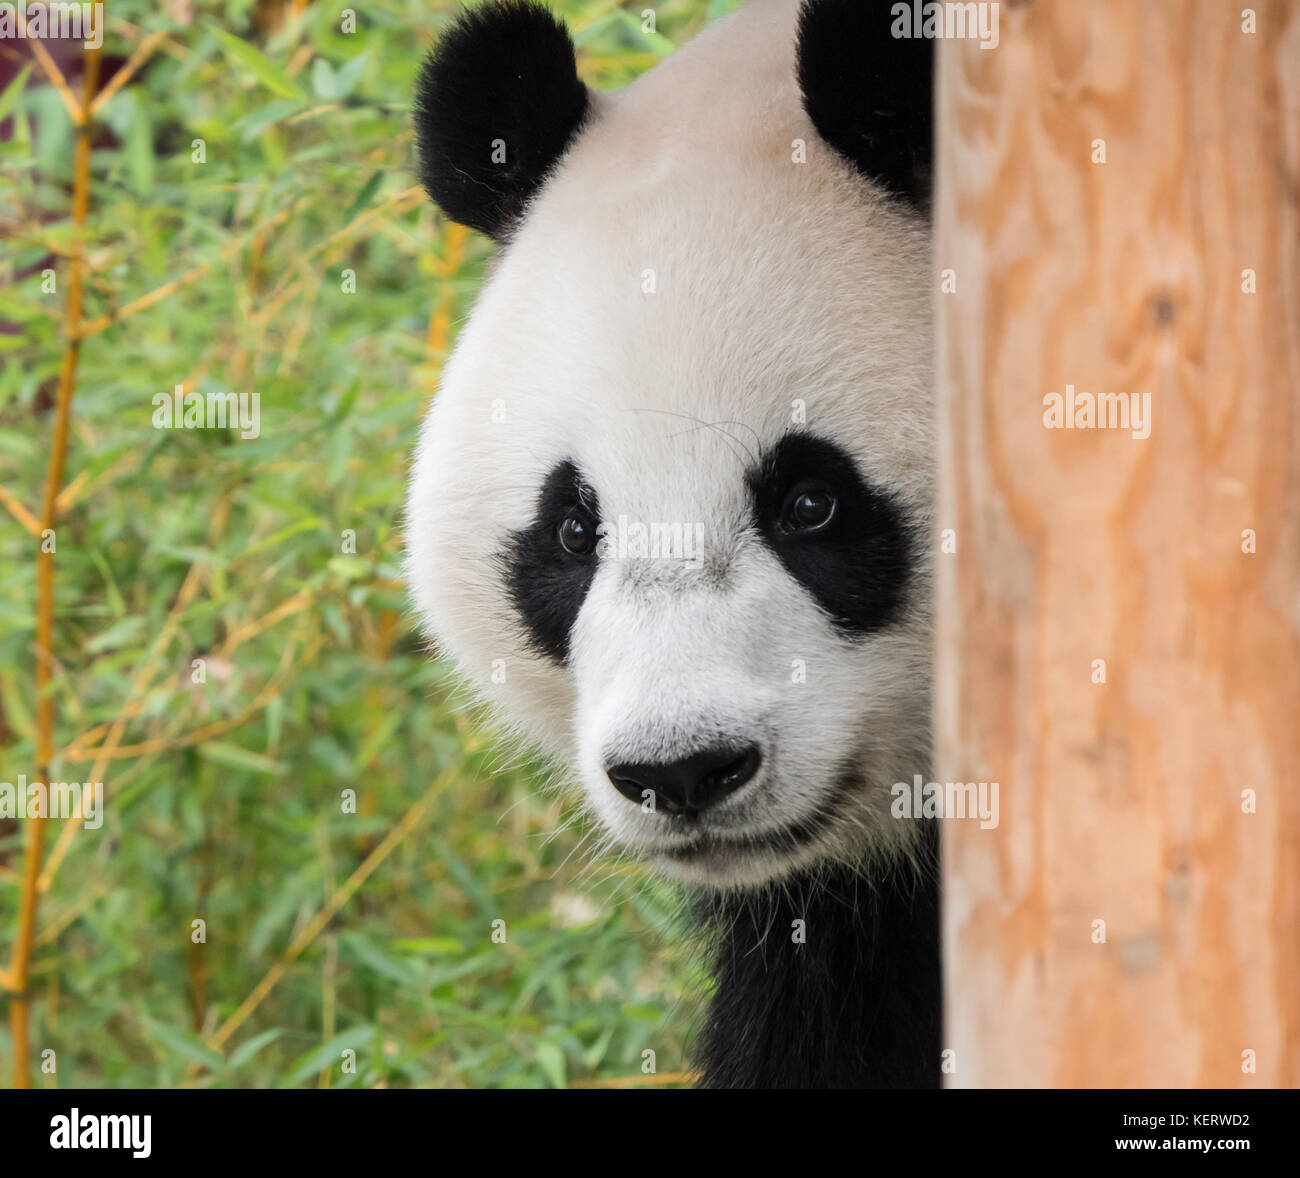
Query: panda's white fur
(699, 272)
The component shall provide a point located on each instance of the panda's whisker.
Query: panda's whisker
(700, 424)
(567, 823)
(582, 839)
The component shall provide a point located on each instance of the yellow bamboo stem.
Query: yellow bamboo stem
(20, 964)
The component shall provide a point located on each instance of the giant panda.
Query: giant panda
(709, 321)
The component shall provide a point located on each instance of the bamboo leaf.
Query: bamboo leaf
(13, 92)
(270, 75)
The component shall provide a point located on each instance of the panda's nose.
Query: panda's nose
(690, 785)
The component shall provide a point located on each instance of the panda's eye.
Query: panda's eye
(809, 507)
(577, 533)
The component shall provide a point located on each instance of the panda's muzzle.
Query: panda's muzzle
(690, 785)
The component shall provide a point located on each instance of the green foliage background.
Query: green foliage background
(226, 802)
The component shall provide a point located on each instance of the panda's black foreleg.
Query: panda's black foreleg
(829, 980)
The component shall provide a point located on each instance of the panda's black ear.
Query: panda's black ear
(497, 102)
(870, 93)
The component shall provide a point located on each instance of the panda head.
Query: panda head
(669, 512)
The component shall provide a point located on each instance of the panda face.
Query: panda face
(670, 509)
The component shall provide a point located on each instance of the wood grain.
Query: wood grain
(1122, 801)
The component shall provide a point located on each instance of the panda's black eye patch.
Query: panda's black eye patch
(548, 566)
(844, 540)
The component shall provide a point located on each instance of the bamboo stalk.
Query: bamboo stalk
(55, 75)
(29, 522)
(142, 53)
(20, 965)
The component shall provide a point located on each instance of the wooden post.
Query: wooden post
(1119, 626)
